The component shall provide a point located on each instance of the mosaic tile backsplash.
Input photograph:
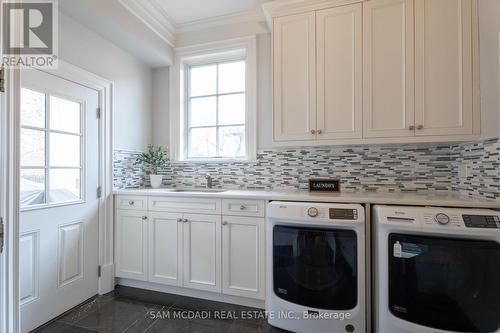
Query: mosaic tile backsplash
(410, 168)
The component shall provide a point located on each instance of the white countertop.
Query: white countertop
(444, 199)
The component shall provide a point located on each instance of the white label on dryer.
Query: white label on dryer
(397, 250)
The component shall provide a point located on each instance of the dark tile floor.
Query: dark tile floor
(133, 310)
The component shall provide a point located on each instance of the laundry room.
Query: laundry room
(308, 166)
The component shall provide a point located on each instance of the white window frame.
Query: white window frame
(230, 50)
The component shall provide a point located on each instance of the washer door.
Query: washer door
(315, 267)
(446, 284)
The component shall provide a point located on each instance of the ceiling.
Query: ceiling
(187, 11)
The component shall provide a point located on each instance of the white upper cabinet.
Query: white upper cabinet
(375, 71)
(443, 67)
(388, 69)
(294, 77)
(339, 73)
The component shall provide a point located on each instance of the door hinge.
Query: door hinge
(98, 113)
(99, 192)
(2, 79)
(1, 235)
(99, 271)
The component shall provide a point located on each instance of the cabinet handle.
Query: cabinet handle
(411, 128)
(420, 127)
(320, 131)
(131, 203)
(243, 207)
(224, 222)
(313, 132)
(144, 217)
(185, 220)
(179, 220)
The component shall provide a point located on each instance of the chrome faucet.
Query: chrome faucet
(209, 181)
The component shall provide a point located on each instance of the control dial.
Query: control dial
(313, 212)
(442, 218)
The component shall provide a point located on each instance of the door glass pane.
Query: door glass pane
(232, 77)
(32, 187)
(444, 283)
(203, 112)
(232, 141)
(32, 108)
(64, 150)
(64, 115)
(203, 80)
(64, 185)
(32, 147)
(315, 267)
(232, 109)
(202, 142)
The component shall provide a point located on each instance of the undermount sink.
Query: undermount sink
(209, 190)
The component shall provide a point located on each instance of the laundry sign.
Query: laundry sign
(324, 185)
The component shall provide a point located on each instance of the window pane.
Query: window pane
(232, 77)
(64, 185)
(32, 147)
(32, 187)
(32, 108)
(64, 150)
(203, 80)
(64, 115)
(202, 142)
(232, 141)
(203, 111)
(232, 109)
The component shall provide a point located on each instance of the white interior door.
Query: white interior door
(59, 205)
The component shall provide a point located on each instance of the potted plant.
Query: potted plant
(155, 157)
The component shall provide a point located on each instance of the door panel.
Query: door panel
(443, 67)
(388, 74)
(131, 244)
(243, 256)
(165, 248)
(59, 222)
(339, 72)
(294, 77)
(202, 252)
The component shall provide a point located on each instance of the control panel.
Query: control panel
(482, 221)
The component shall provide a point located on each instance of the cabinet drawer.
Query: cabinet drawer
(243, 207)
(185, 205)
(131, 202)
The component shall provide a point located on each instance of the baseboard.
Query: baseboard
(107, 279)
(260, 304)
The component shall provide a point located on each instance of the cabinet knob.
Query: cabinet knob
(420, 127)
(224, 222)
(131, 203)
(179, 220)
(243, 207)
(313, 132)
(320, 131)
(411, 128)
(144, 217)
(185, 220)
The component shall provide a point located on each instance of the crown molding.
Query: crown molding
(154, 17)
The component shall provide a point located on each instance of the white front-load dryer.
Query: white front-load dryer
(316, 267)
(436, 269)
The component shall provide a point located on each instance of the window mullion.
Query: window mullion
(47, 146)
(217, 148)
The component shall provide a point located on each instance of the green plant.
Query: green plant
(155, 157)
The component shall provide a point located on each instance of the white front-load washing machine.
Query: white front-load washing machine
(316, 267)
(436, 270)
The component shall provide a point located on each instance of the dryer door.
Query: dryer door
(443, 283)
(315, 267)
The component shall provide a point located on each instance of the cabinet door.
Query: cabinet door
(294, 54)
(202, 252)
(388, 60)
(243, 256)
(443, 67)
(131, 232)
(339, 73)
(165, 248)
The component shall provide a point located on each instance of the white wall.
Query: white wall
(161, 106)
(132, 100)
(489, 39)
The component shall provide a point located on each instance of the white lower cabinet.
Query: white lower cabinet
(202, 252)
(243, 256)
(193, 250)
(131, 252)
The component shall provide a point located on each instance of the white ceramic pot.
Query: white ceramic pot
(156, 180)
